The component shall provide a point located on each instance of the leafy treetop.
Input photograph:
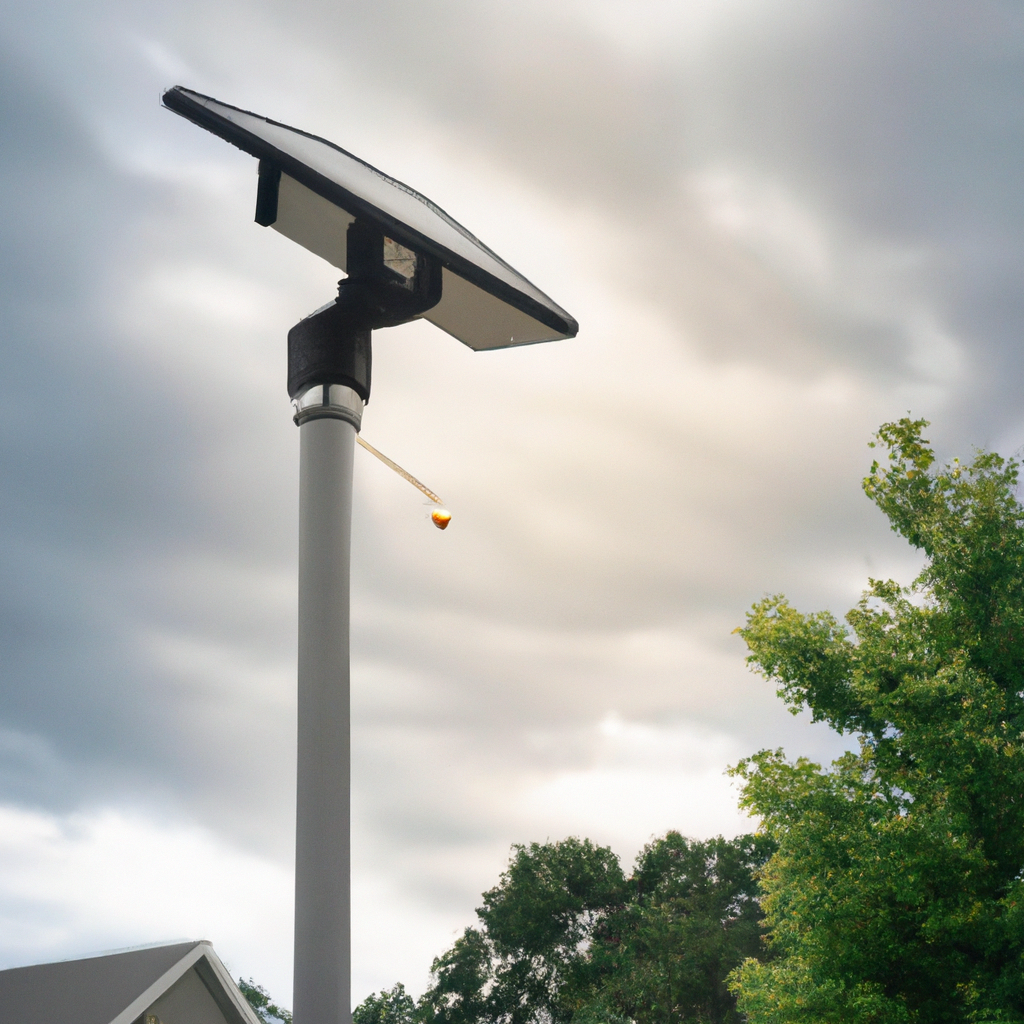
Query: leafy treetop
(259, 999)
(566, 937)
(896, 893)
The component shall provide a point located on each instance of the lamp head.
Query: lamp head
(314, 192)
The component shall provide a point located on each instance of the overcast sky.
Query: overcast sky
(778, 225)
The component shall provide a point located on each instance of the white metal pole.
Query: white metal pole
(328, 418)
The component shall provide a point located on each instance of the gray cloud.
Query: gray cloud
(777, 224)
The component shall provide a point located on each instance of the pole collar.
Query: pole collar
(328, 401)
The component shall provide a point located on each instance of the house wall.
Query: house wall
(187, 1001)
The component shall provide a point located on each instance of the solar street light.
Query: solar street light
(404, 258)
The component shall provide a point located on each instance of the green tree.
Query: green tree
(693, 916)
(896, 891)
(259, 999)
(390, 1006)
(566, 937)
(531, 959)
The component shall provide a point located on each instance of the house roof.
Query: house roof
(119, 988)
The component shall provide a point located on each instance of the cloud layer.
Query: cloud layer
(778, 226)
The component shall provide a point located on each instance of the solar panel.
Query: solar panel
(312, 190)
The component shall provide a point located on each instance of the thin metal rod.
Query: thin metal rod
(323, 952)
(401, 472)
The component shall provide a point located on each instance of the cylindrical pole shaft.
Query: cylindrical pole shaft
(322, 992)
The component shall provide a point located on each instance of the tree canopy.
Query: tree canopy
(896, 891)
(259, 999)
(566, 936)
(392, 1006)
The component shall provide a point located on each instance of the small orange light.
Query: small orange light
(441, 517)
